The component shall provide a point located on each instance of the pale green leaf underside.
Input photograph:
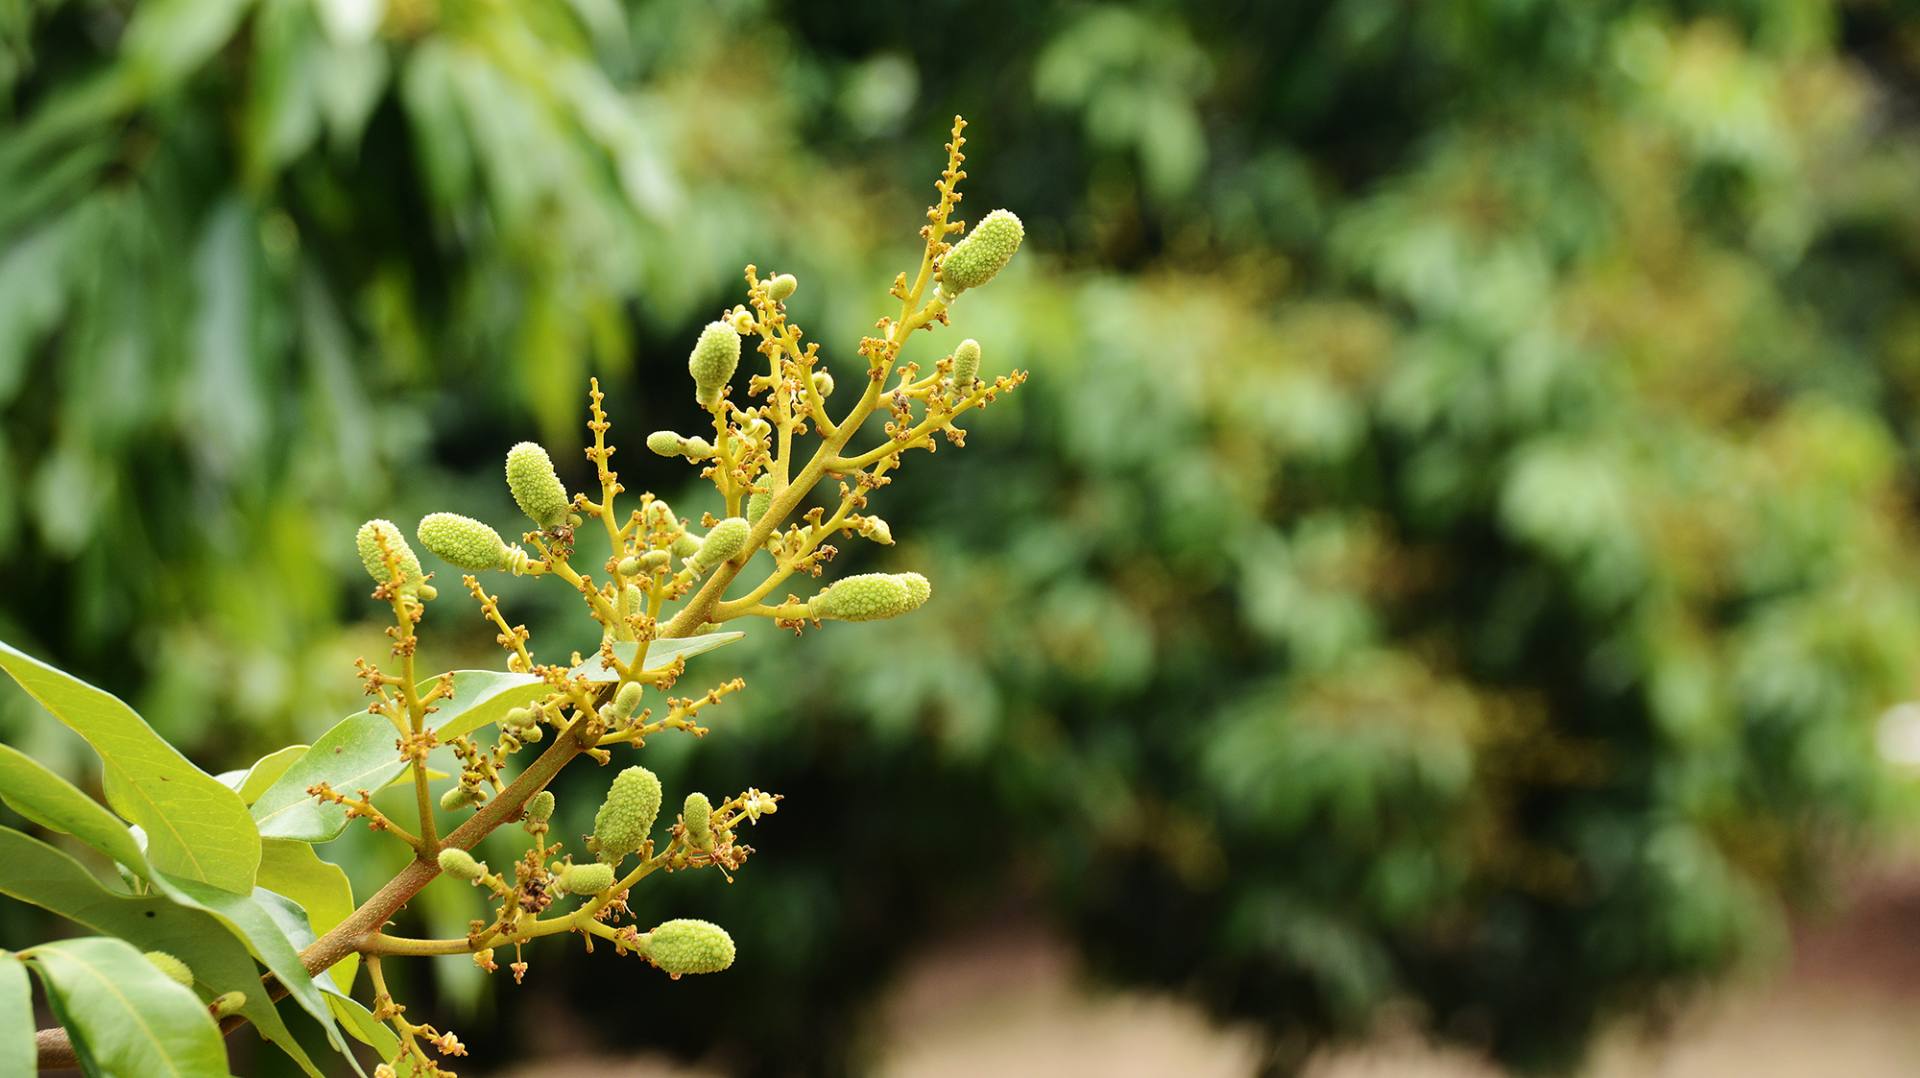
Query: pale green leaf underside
(660, 653)
(196, 827)
(124, 1015)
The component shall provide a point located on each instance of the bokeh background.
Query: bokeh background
(1452, 568)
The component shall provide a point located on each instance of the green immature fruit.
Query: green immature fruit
(983, 253)
(535, 486)
(177, 971)
(462, 541)
(367, 542)
(227, 1003)
(966, 363)
(726, 539)
(540, 807)
(629, 566)
(460, 864)
(590, 879)
(626, 701)
(782, 286)
(689, 946)
(823, 383)
(458, 797)
(632, 599)
(758, 503)
(625, 817)
(697, 814)
(669, 444)
(871, 597)
(712, 361)
(919, 588)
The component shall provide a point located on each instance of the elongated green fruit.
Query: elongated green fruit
(670, 444)
(460, 864)
(227, 1003)
(458, 797)
(625, 817)
(712, 362)
(983, 253)
(782, 286)
(463, 541)
(587, 879)
(697, 815)
(723, 541)
(871, 597)
(966, 364)
(688, 946)
(535, 486)
(758, 503)
(177, 971)
(367, 542)
(626, 701)
(919, 588)
(540, 806)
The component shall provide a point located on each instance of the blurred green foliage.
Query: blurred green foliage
(1453, 547)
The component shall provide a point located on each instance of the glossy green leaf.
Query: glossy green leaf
(52, 802)
(16, 1017)
(43, 876)
(293, 870)
(125, 1016)
(197, 828)
(660, 653)
(357, 754)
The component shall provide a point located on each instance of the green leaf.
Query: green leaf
(481, 697)
(659, 654)
(266, 771)
(125, 1016)
(55, 804)
(357, 754)
(197, 828)
(293, 870)
(16, 1017)
(40, 875)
